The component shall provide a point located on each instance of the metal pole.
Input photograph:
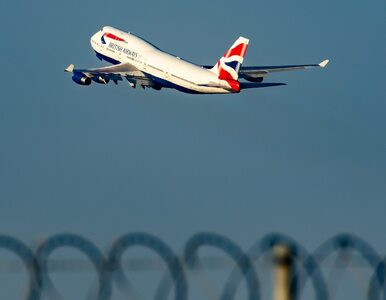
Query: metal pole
(282, 273)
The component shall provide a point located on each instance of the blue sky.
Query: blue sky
(307, 159)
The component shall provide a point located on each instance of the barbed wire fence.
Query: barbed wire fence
(294, 266)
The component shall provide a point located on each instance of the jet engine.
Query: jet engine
(101, 80)
(81, 79)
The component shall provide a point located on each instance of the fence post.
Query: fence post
(283, 265)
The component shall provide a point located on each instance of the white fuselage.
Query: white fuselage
(165, 69)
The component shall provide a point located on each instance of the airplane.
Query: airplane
(143, 64)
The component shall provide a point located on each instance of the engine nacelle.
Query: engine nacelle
(100, 79)
(79, 78)
(157, 87)
(254, 79)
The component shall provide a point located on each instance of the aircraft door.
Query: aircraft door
(167, 73)
(145, 63)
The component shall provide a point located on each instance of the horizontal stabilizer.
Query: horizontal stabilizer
(256, 85)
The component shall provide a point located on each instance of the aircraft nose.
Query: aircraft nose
(95, 40)
(94, 36)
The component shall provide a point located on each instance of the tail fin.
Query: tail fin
(227, 68)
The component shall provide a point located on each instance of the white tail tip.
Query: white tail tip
(70, 68)
(324, 63)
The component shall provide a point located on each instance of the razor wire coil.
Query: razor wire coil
(110, 270)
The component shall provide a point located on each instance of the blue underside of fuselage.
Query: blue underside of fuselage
(170, 85)
(106, 58)
(161, 82)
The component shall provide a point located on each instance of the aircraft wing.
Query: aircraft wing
(116, 73)
(261, 71)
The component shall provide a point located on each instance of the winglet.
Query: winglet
(70, 68)
(324, 63)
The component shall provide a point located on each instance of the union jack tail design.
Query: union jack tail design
(227, 68)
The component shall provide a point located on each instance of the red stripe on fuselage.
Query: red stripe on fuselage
(114, 37)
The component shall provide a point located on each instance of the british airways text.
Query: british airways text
(123, 50)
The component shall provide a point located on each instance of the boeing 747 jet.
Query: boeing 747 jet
(143, 64)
